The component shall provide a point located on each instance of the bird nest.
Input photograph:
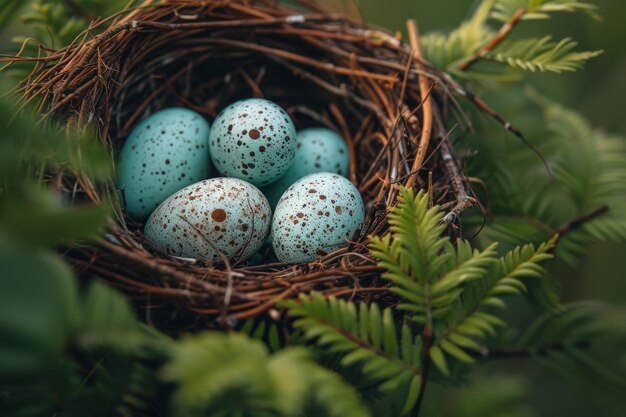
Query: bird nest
(393, 109)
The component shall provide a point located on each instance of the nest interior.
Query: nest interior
(391, 107)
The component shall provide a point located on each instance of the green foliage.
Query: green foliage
(542, 54)
(230, 374)
(449, 293)
(390, 359)
(65, 350)
(448, 50)
(499, 395)
(59, 349)
(58, 23)
(266, 331)
(505, 278)
(525, 204)
(445, 287)
(29, 211)
(503, 10)
(559, 340)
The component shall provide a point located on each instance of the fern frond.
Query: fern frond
(446, 51)
(364, 336)
(589, 169)
(541, 54)
(503, 10)
(411, 253)
(427, 269)
(476, 324)
(592, 167)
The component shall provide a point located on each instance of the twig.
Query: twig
(502, 34)
(580, 221)
(463, 201)
(521, 353)
(427, 112)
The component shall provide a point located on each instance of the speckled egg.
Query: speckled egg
(254, 140)
(316, 214)
(164, 153)
(219, 215)
(317, 150)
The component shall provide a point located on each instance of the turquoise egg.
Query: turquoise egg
(316, 215)
(317, 150)
(164, 153)
(210, 220)
(253, 140)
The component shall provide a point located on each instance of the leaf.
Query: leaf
(541, 55)
(38, 310)
(557, 341)
(503, 10)
(108, 321)
(231, 374)
(7, 10)
(438, 358)
(377, 351)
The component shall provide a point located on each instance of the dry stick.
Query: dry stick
(580, 221)
(462, 200)
(427, 112)
(522, 353)
(502, 34)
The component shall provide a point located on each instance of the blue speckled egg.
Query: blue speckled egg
(317, 150)
(254, 140)
(219, 215)
(164, 153)
(317, 213)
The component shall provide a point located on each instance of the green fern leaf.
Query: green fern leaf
(369, 338)
(506, 278)
(503, 10)
(541, 55)
(446, 51)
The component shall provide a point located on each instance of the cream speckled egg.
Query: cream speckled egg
(254, 140)
(317, 150)
(318, 212)
(224, 215)
(164, 153)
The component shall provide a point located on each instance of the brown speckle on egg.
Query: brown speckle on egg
(219, 215)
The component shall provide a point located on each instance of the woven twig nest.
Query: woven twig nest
(326, 70)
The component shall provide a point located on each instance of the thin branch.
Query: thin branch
(502, 34)
(427, 109)
(522, 353)
(579, 222)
